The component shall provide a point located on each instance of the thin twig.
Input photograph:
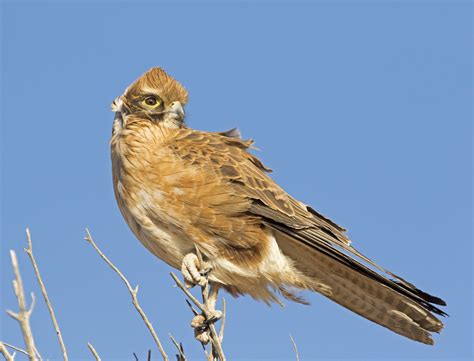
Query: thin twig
(296, 348)
(93, 351)
(38, 354)
(133, 293)
(224, 311)
(189, 294)
(16, 348)
(193, 310)
(215, 342)
(205, 310)
(4, 352)
(23, 315)
(29, 252)
(179, 347)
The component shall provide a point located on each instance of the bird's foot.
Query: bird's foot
(194, 272)
(201, 325)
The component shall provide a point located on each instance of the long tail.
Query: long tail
(402, 310)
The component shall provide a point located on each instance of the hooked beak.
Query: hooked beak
(176, 111)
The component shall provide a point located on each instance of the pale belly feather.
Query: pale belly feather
(158, 235)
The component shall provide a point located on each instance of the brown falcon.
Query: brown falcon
(181, 189)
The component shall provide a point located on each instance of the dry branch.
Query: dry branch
(296, 348)
(180, 356)
(93, 351)
(224, 311)
(29, 252)
(5, 353)
(133, 293)
(207, 308)
(15, 348)
(23, 315)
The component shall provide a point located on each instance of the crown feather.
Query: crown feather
(156, 80)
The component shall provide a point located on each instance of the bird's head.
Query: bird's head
(155, 96)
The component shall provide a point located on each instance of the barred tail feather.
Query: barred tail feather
(359, 293)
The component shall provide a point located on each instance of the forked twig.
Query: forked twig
(181, 356)
(133, 293)
(23, 315)
(94, 352)
(29, 252)
(3, 350)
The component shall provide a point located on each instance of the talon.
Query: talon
(192, 273)
(202, 281)
(202, 336)
(201, 329)
(198, 321)
(215, 316)
(205, 272)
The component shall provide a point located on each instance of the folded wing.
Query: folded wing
(319, 247)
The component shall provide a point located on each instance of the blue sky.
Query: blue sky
(363, 109)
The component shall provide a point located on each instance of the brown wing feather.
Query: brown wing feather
(214, 209)
(228, 155)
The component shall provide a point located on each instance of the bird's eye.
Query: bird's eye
(151, 102)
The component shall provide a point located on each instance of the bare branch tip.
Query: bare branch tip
(12, 314)
(93, 351)
(88, 236)
(15, 348)
(33, 302)
(297, 356)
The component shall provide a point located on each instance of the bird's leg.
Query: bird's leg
(215, 315)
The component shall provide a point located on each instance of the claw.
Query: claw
(216, 316)
(198, 321)
(201, 326)
(192, 272)
(205, 272)
(202, 336)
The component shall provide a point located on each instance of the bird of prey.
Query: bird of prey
(182, 190)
